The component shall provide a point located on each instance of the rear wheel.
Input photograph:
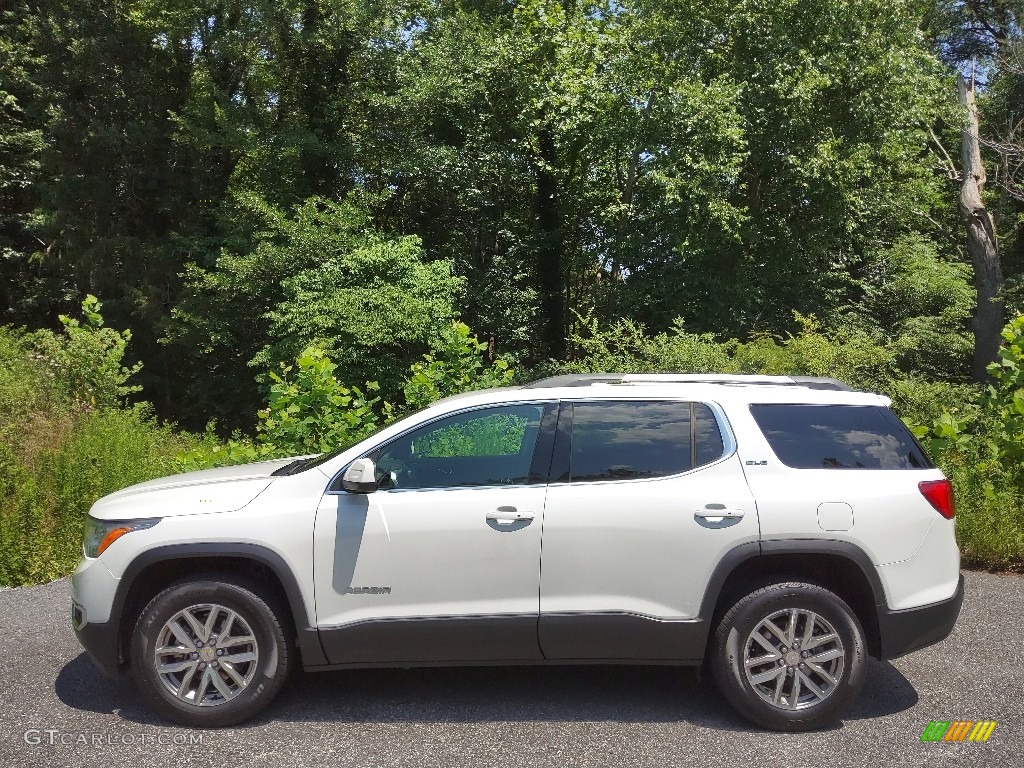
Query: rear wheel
(789, 657)
(210, 653)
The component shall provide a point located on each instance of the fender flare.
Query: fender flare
(307, 636)
(736, 557)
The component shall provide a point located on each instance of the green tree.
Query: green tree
(21, 148)
(922, 305)
(320, 275)
(828, 103)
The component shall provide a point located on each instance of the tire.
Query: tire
(224, 649)
(822, 668)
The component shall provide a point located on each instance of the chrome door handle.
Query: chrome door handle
(507, 515)
(717, 513)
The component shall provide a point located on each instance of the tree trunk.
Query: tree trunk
(981, 240)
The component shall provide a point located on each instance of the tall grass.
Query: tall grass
(57, 458)
(44, 499)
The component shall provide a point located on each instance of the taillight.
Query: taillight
(940, 495)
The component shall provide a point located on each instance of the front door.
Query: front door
(442, 563)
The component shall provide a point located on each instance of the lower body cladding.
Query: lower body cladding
(568, 638)
(100, 641)
(597, 638)
(515, 639)
(901, 632)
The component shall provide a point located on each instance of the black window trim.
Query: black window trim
(563, 439)
(538, 463)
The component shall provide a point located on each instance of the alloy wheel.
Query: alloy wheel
(206, 655)
(794, 659)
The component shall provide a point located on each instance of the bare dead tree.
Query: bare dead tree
(982, 244)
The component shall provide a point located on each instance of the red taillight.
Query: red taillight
(940, 495)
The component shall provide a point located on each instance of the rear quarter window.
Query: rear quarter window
(838, 437)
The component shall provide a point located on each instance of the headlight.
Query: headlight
(100, 534)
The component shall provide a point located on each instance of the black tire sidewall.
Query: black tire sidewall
(738, 623)
(266, 627)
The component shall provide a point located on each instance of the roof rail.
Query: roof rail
(575, 380)
(588, 379)
(822, 382)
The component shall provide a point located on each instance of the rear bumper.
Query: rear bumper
(902, 632)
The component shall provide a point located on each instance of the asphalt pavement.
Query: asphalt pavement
(56, 710)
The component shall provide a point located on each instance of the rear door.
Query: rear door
(646, 497)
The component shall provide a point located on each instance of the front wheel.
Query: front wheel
(210, 654)
(789, 657)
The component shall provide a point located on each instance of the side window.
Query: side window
(492, 446)
(708, 443)
(838, 437)
(629, 440)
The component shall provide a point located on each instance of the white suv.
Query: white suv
(777, 529)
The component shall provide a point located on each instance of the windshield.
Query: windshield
(301, 465)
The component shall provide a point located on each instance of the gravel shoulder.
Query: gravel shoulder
(58, 711)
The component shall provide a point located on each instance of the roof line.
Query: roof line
(589, 379)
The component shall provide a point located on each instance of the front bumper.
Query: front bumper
(100, 641)
(902, 632)
(93, 591)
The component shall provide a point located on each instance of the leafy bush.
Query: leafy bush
(455, 364)
(625, 347)
(371, 301)
(846, 354)
(922, 305)
(1003, 400)
(87, 359)
(919, 401)
(311, 412)
(212, 451)
(988, 428)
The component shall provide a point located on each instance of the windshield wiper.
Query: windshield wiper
(291, 467)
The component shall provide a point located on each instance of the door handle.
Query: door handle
(508, 515)
(718, 512)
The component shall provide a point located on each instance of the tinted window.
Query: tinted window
(492, 446)
(838, 437)
(707, 435)
(628, 440)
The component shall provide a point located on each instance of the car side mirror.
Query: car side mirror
(360, 477)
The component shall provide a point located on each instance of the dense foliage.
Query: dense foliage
(306, 217)
(238, 180)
